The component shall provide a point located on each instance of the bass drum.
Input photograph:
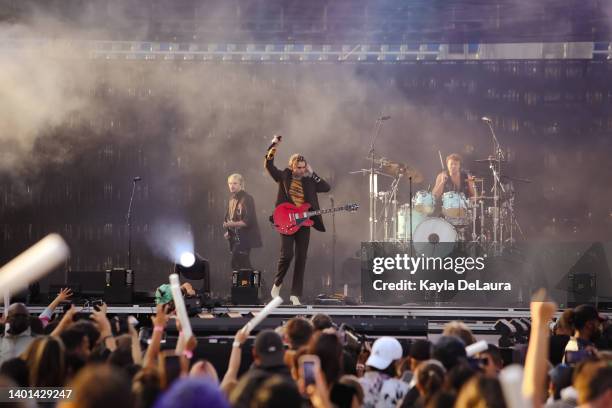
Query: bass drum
(403, 222)
(435, 237)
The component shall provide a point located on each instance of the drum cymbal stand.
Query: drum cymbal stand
(495, 162)
(513, 221)
(473, 214)
(373, 177)
(411, 242)
(390, 200)
(497, 224)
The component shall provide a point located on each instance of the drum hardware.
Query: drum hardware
(395, 169)
(389, 198)
(487, 220)
(373, 177)
(490, 159)
(495, 160)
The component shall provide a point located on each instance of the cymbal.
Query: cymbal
(475, 198)
(490, 159)
(520, 180)
(396, 169)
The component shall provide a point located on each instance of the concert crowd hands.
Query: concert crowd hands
(277, 359)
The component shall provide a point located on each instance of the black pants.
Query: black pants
(241, 258)
(299, 240)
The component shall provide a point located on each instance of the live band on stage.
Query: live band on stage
(458, 210)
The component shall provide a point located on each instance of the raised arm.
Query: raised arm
(537, 352)
(104, 326)
(65, 322)
(231, 375)
(62, 296)
(439, 187)
(274, 172)
(159, 325)
(136, 350)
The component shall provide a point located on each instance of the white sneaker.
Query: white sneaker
(295, 300)
(275, 291)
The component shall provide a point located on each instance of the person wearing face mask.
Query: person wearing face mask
(17, 334)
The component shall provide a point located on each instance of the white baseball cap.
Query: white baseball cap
(385, 350)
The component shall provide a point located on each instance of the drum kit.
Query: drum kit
(436, 226)
(486, 222)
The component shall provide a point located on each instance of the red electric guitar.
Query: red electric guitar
(288, 218)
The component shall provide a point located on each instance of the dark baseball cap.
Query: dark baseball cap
(587, 312)
(420, 350)
(449, 350)
(269, 348)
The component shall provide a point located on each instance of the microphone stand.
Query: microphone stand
(333, 249)
(129, 223)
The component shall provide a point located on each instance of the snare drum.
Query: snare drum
(423, 202)
(454, 205)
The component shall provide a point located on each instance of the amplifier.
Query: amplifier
(119, 288)
(244, 278)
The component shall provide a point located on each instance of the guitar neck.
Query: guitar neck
(325, 211)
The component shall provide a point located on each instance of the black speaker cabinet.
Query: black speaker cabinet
(248, 295)
(119, 288)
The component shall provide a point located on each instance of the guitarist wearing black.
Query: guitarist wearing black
(242, 230)
(297, 184)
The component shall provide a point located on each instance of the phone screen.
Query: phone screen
(574, 357)
(309, 374)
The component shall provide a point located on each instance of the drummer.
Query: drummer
(454, 179)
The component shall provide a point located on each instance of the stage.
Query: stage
(372, 319)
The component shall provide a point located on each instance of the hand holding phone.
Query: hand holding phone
(309, 365)
(313, 383)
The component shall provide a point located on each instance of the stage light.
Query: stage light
(187, 259)
(198, 270)
(172, 239)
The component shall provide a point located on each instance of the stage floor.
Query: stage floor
(480, 320)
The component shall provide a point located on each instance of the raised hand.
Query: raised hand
(541, 309)
(161, 316)
(64, 294)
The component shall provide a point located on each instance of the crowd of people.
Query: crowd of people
(306, 362)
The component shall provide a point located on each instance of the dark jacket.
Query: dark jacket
(311, 186)
(245, 211)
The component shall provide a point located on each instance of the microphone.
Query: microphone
(274, 142)
(384, 118)
(485, 119)
(137, 178)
